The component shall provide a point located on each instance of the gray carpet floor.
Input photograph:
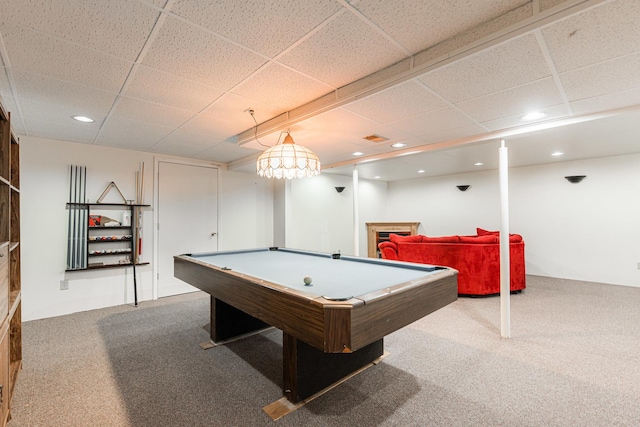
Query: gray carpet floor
(573, 360)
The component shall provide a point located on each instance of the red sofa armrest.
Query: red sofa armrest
(388, 250)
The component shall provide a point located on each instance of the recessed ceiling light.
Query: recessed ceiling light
(533, 116)
(557, 153)
(376, 177)
(83, 119)
(399, 145)
(358, 153)
(421, 171)
(478, 164)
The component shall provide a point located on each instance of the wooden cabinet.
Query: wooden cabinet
(10, 295)
(378, 232)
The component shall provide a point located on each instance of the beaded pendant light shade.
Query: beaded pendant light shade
(288, 160)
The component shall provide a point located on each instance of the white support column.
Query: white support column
(356, 214)
(505, 279)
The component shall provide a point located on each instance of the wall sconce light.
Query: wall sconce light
(339, 189)
(463, 187)
(574, 179)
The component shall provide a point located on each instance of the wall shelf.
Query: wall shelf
(86, 236)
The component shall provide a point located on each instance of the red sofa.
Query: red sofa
(477, 258)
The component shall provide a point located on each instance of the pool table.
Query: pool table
(332, 326)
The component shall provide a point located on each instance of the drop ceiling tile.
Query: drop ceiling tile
(504, 66)
(442, 135)
(181, 143)
(206, 123)
(124, 133)
(61, 131)
(431, 21)
(37, 53)
(163, 88)
(268, 28)
(194, 54)
(342, 125)
(193, 141)
(555, 112)
(519, 100)
(84, 100)
(606, 102)
(33, 111)
(471, 37)
(401, 101)
(600, 33)
(10, 105)
(116, 27)
(279, 86)
(149, 112)
(620, 74)
(227, 152)
(269, 140)
(343, 51)
(5, 87)
(548, 4)
(176, 150)
(438, 120)
(233, 108)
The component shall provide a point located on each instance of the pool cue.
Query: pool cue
(85, 218)
(79, 217)
(76, 219)
(139, 217)
(73, 238)
(69, 225)
(133, 261)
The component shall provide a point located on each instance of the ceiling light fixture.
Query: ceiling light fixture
(536, 115)
(557, 153)
(288, 160)
(83, 119)
(421, 171)
(357, 153)
(399, 145)
(478, 164)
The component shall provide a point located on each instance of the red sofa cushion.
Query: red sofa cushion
(513, 238)
(489, 238)
(441, 239)
(397, 238)
(483, 232)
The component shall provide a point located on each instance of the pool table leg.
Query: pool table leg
(308, 370)
(228, 322)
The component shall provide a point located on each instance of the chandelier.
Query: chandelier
(288, 160)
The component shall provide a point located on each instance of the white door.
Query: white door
(187, 218)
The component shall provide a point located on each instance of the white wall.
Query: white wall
(444, 210)
(321, 219)
(245, 221)
(588, 231)
(246, 211)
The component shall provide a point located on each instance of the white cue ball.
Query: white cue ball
(307, 280)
